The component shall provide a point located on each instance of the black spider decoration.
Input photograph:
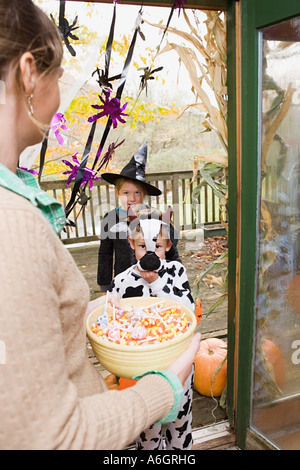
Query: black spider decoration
(66, 29)
(103, 80)
(148, 75)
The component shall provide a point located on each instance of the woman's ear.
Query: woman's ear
(28, 72)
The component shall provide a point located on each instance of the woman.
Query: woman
(51, 396)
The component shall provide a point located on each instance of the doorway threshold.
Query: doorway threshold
(219, 436)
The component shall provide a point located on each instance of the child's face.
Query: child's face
(138, 245)
(130, 195)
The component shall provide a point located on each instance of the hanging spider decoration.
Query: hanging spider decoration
(110, 108)
(179, 4)
(103, 80)
(148, 75)
(66, 29)
(109, 154)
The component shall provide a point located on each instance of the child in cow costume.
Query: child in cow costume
(153, 275)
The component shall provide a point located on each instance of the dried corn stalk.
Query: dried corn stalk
(205, 61)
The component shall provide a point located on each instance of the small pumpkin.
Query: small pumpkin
(275, 360)
(111, 382)
(198, 310)
(126, 383)
(208, 380)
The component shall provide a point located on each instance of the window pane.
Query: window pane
(276, 368)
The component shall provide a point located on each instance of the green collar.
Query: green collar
(26, 185)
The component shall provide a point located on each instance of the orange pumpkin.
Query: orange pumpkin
(111, 382)
(207, 381)
(198, 310)
(275, 360)
(126, 383)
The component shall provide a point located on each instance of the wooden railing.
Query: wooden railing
(176, 191)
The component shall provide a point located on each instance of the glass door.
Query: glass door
(276, 365)
(268, 357)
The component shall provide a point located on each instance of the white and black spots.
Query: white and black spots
(178, 434)
(172, 283)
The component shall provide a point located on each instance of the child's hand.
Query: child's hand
(113, 299)
(149, 276)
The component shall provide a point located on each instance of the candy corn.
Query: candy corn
(138, 326)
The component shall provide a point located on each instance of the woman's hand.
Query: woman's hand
(182, 366)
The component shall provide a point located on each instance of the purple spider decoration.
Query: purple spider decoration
(88, 176)
(110, 107)
(33, 172)
(179, 4)
(109, 154)
(57, 124)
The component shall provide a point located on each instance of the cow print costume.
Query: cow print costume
(178, 434)
(172, 283)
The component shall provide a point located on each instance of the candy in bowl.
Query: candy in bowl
(143, 334)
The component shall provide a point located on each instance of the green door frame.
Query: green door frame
(255, 14)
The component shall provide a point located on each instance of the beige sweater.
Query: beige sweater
(51, 396)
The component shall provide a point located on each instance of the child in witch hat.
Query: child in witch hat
(115, 254)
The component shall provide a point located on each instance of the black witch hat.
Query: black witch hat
(135, 170)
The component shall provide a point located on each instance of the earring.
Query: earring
(30, 112)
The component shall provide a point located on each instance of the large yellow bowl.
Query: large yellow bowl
(128, 361)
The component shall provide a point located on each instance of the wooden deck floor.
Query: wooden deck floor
(206, 411)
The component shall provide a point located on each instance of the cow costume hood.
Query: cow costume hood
(150, 225)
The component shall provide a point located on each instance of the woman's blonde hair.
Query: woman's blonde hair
(24, 27)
